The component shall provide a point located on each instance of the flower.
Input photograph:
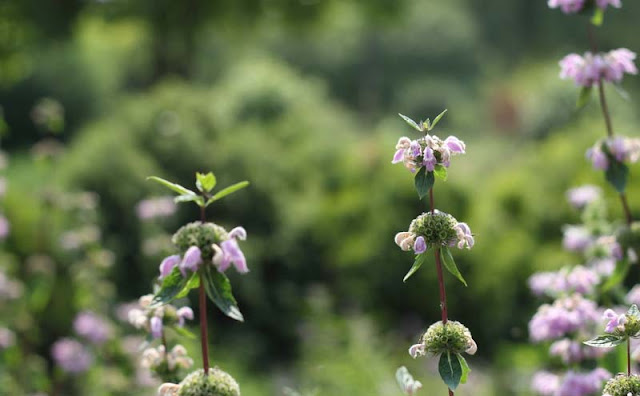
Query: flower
(167, 265)
(573, 383)
(622, 385)
(429, 151)
(633, 297)
(155, 324)
(576, 238)
(567, 6)
(570, 351)
(71, 355)
(589, 69)
(92, 327)
(191, 260)
(184, 313)
(564, 316)
(217, 382)
(451, 337)
(582, 196)
(578, 279)
(465, 238)
(7, 338)
(228, 252)
(406, 382)
(545, 383)
(420, 246)
(434, 229)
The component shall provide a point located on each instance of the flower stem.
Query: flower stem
(628, 356)
(204, 341)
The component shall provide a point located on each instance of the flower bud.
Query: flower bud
(437, 228)
(217, 383)
(622, 385)
(451, 337)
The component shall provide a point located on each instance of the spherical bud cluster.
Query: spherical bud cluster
(92, 327)
(588, 70)
(71, 356)
(440, 337)
(582, 196)
(623, 325)
(622, 385)
(435, 229)
(158, 359)
(566, 315)
(575, 6)
(578, 279)
(572, 383)
(427, 151)
(153, 318)
(155, 207)
(621, 149)
(216, 383)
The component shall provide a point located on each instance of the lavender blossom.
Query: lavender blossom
(184, 313)
(633, 297)
(614, 321)
(167, 265)
(428, 151)
(71, 356)
(155, 207)
(228, 252)
(564, 316)
(434, 229)
(191, 260)
(582, 196)
(545, 383)
(578, 279)
(622, 149)
(570, 351)
(587, 70)
(571, 384)
(92, 327)
(155, 324)
(576, 238)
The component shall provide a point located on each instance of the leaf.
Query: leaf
(450, 264)
(450, 370)
(465, 368)
(219, 291)
(424, 181)
(605, 341)
(226, 191)
(420, 259)
(171, 287)
(189, 198)
(192, 283)
(583, 97)
(441, 172)
(172, 186)
(437, 119)
(205, 183)
(184, 332)
(598, 17)
(618, 275)
(617, 174)
(411, 122)
(633, 311)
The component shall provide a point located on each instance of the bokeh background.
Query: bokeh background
(300, 98)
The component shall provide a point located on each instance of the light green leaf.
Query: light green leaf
(198, 199)
(465, 369)
(598, 16)
(172, 286)
(205, 182)
(450, 264)
(605, 341)
(440, 171)
(226, 191)
(437, 119)
(219, 291)
(172, 186)
(584, 97)
(450, 370)
(424, 181)
(411, 122)
(192, 283)
(420, 259)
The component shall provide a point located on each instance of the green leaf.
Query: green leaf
(617, 174)
(618, 275)
(192, 283)
(424, 181)
(437, 119)
(605, 341)
(420, 259)
(411, 122)
(441, 172)
(226, 191)
(450, 370)
(189, 198)
(172, 286)
(219, 291)
(205, 183)
(172, 186)
(184, 332)
(584, 97)
(450, 264)
(465, 368)
(633, 311)
(598, 17)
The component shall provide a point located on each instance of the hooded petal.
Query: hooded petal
(232, 250)
(398, 156)
(238, 233)
(420, 246)
(191, 260)
(167, 265)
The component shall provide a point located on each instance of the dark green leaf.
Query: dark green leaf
(171, 287)
(450, 264)
(184, 332)
(172, 186)
(618, 275)
(465, 368)
(192, 283)
(584, 97)
(605, 341)
(450, 370)
(411, 122)
(437, 119)
(424, 181)
(633, 311)
(598, 17)
(219, 291)
(441, 172)
(420, 259)
(226, 191)
(205, 182)
(617, 174)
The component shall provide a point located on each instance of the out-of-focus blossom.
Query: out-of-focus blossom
(155, 324)
(92, 327)
(4, 227)
(48, 113)
(545, 383)
(153, 358)
(570, 351)
(582, 196)
(9, 289)
(576, 238)
(623, 149)
(407, 384)
(633, 297)
(7, 338)
(578, 279)
(427, 151)
(564, 316)
(184, 313)
(228, 252)
(71, 356)
(573, 383)
(155, 207)
(76, 239)
(587, 70)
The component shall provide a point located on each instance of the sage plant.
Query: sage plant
(429, 157)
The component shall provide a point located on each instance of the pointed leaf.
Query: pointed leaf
(192, 283)
(172, 286)
(441, 172)
(633, 311)
(219, 291)
(437, 119)
(226, 191)
(618, 275)
(584, 97)
(450, 264)
(465, 368)
(424, 181)
(189, 198)
(172, 186)
(450, 370)
(205, 182)
(605, 341)
(420, 259)
(411, 122)
(617, 174)
(598, 16)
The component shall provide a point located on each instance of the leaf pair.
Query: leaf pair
(205, 184)
(446, 258)
(423, 126)
(453, 369)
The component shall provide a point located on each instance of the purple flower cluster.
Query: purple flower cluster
(573, 383)
(428, 151)
(582, 196)
(575, 6)
(578, 279)
(614, 321)
(622, 149)
(92, 327)
(588, 70)
(71, 356)
(153, 319)
(570, 351)
(565, 316)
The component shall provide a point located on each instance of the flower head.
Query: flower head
(228, 252)
(428, 151)
(622, 385)
(587, 70)
(451, 337)
(71, 356)
(407, 384)
(217, 383)
(434, 229)
(567, 6)
(582, 196)
(92, 327)
(564, 316)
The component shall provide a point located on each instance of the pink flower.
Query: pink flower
(168, 264)
(603, 3)
(155, 325)
(567, 6)
(614, 321)
(184, 313)
(464, 235)
(420, 246)
(191, 260)
(429, 159)
(228, 252)
(455, 145)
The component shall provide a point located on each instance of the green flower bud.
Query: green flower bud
(199, 234)
(453, 337)
(437, 228)
(632, 327)
(217, 383)
(622, 385)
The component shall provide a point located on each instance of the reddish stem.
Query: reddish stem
(204, 339)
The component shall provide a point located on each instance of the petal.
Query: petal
(167, 265)
(401, 236)
(398, 156)
(473, 348)
(420, 246)
(239, 233)
(416, 350)
(232, 250)
(191, 260)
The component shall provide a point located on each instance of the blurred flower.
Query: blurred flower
(576, 238)
(587, 70)
(580, 197)
(571, 351)
(155, 324)
(229, 252)
(71, 355)
(571, 384)
(184, 313)
(633, 297)
(76, 239)
(48, 113)
(622, 149)
(7, 338)
(564, 316)
(4, 227)
(614, 321)
(407, 384)
(577, 279)
(155, 207)
(545, 383)
(9, 289)
(92, 327)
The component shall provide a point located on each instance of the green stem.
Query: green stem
(204, 339)
(628, 356)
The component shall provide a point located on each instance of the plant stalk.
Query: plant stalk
(204, 339)
(628, 357)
